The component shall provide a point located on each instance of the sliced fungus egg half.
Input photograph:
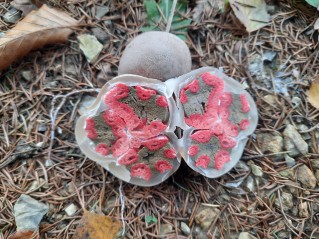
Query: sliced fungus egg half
(128, 130)
(131, 130)
(217, 119)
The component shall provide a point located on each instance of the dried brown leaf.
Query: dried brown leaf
(95, 226)
(252, 13)
(313, 94)
(38, 28)
(205, 6)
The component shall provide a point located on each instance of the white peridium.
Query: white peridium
(157, 55)
(168, 89)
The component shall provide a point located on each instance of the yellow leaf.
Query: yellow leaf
(38, 28)
(252, 13)
(313, 94)
(95, 226)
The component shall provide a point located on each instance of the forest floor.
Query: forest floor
(267, 194)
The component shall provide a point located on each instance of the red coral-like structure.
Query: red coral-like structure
(193, 150)
(223, 117)
(221, 158)
(203, 161)
(89, 128)
(141, 170)
(169, 153)
(161, 101)
(144, 94)
(102, 149)
(245, 104)
(162, 166)
(244, 124)
(216, 120)
(128, 158)
(132, 133)
(202, 136)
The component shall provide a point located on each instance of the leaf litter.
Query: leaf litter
(96, 226)
(176, 201)
(28, 213)
(313, 93)
(252, 13)
(39, 28)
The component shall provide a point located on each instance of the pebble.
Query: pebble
(28, 213)
(200, 234)
(70, 69)
(296, 101)
(42, 127)
(272, 101)
(303, 210)
(100, 34)
(205, 217)
(101, 11)
(294, 211)
(317, 175)
(286, 201)
(38, 184)
(59, 130)
(283, 234)
(288, 173)
(185, 229)
(166, 229)
(27, 75)
(249, 184)
(302, 128)
(293, 187)
(246, 235)
(294, 142)
(306, 177)
(40, 145)
(51, 84)
(315, 163)
(289, 160)
(24, 150)
(271, 143)
(256, 170)
(71, 209)
(90, 47)
(12, 15)
(269, 56)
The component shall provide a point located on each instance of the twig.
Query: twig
(54, 113)
(170, 19)
(122, 200)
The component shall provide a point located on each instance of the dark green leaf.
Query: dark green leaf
(158, 15)
(314, 3)
(180, 24)
(150, 28)
(151, 9)
(150, 219)
(181, 36)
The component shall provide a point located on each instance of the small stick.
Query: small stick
(54, 113)
(170, 19)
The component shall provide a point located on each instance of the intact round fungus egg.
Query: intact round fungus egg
(157, 55)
